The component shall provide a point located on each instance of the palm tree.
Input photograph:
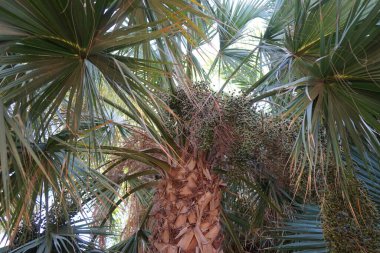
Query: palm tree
(58, 61)
(217, 163)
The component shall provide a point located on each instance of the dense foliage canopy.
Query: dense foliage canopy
(210, 125)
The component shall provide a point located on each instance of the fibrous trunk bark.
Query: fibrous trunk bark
(187, 210)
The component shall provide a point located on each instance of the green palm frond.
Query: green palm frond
(247, 205)
(132, 244)
(326, 76)
(68, 62)
(138, 241)
(67, 175)
(368, 173)
(233, 24)
(233, 18)
(303, 233)
(58, 60)
(73, 237)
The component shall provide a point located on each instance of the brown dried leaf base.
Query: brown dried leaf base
(187, 210)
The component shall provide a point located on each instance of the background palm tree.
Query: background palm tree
(98, 104)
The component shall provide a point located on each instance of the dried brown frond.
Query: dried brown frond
(133, 217)
(138, 140)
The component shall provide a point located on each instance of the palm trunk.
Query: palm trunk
(187, 210)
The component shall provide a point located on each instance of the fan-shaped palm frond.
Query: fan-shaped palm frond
(67, 238)
(234, 28)
(57, 61)
(327, 76)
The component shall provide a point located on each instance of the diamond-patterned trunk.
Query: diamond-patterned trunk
(187, 210)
